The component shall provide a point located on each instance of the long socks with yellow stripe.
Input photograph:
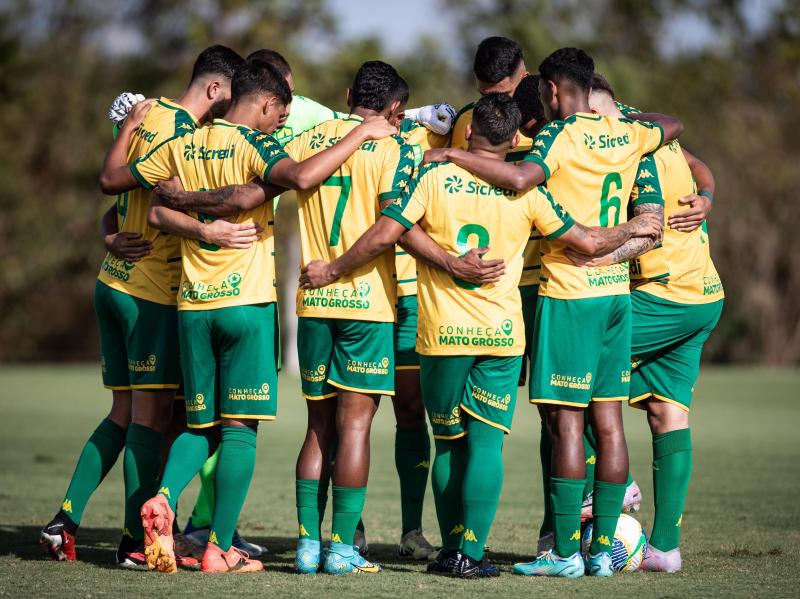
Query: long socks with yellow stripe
(188, 454)
(311, 498)
(606, 508)
(672, 467)
(565, 497)
(412, 454)
(141, 466)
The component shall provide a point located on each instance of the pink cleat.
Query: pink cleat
(633, 498)
(656, 560)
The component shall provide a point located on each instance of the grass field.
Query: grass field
(741, 525)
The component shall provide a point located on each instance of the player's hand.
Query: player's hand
(316, 274)
(473, 268)
(122, 105)
(136, 115)
(436, 155)
(648, 224)
(376, 127)
(583, 260)
(127, 246)
(239, 236)
(169, 191)
(691, 218)
(439, 118)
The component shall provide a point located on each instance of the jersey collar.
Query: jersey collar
(167, 103)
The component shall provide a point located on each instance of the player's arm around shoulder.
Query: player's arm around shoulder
(115, 176)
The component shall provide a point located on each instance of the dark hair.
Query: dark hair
(497, 58)
(401, 91)
(217, 60)
(528, 100)
(572, 64)
(497, 117)
(258, 77)
(274, 58)
(600, 83)
(375, 85)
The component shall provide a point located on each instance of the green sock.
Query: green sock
(348, 503)
(672, 467)
(312, 497)
(97, 458)
(483, 481)
(545, 455)
(204, 506)
(447, 480)
(141, 466)
(237, 461)
(565, 495)
(606, 508)
(187, 455)
(590, 452)
(412, 455)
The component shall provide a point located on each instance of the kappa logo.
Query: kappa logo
(589, 141)
(603, 540)
(592, 459)
(212, 538)
(424, 464)
(457, 529)
(67, 506)
(679, 522)
(645, 172)
(126, 532)
(453, 184)
(576, 536)
(336, 538)
(165, 492)
(304, 532)
(469, 535)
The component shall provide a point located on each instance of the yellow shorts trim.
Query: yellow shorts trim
(406, 367)
(358, 390)
(634, 401)
(451, 437)
(145, 387)
(248, 416)
(180, 397)
(558, 402)
(206, 425)
(318, 397)
(620, 398)
(482, 419)
(114, 388)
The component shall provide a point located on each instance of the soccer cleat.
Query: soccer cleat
(467, 567)
(656, 560)
(159, 545)
(345, 559)
(633, 498)
(58, 543)
(308, 556)
(360, 541)
(599, 565)
(217, 561)
(249, 548)
(413, 544)
(550, 564)
(445, 563)
(130, 554)
(545, 543)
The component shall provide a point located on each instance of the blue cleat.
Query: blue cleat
(249, 548)
(599, 565)
(550, 564)
(308, 556)
(345, 559)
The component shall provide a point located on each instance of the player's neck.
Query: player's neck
(242, 114)
(363, 112)
(490, 153)
(571, 104)
(196, 103)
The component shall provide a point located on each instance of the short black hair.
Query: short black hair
(217, 60)
(600, 83)
(497, 117)
(274, 58)
(528, 99)
(401, 91)
(572, 64)
(259, 77)
(375, 85)
(497, 58)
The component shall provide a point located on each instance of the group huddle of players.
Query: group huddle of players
(545, 232)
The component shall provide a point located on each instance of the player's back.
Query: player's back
(155, 277)
(334, 215)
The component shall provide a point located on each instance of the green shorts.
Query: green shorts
(667, 341)
(229, 359)
(405, 334)
(458, 387)
(529, 294)
(581, 350)
(336, 353)
(138, 341)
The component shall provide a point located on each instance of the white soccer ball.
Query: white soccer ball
(627, 549)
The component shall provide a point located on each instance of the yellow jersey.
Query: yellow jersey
(680, 269)
(335, 214)
(590, 163)
(420, 138)
(214, 156)
(461, 211)
(155, 277)
(532, 263)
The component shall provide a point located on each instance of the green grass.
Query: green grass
(741, 525)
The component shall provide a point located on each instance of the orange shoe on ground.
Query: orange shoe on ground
(216, 561)
(159, 546)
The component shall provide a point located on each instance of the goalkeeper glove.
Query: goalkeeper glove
(439, 118)
(122, 105)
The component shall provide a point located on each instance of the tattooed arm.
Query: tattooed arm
(223, 201)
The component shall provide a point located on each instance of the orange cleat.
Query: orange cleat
(159, 546)
(216, 561)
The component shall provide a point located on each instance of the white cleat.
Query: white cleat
(633, 498)
(416, 546)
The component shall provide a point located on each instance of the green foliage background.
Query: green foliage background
(738, 95)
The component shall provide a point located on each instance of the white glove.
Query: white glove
(122, 105)
(439, 118)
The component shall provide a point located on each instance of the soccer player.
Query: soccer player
(226, 304)
(582, 328)
(471, 337)
(676, 302)
(135, 304)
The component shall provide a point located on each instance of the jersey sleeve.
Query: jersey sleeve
(647, 186)
(412, 204)
(156, 165)
(549, 218)
(295, 147)
(263, 152)
(420, 138)
(550, 148)
(397, 169)
(650, 135)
